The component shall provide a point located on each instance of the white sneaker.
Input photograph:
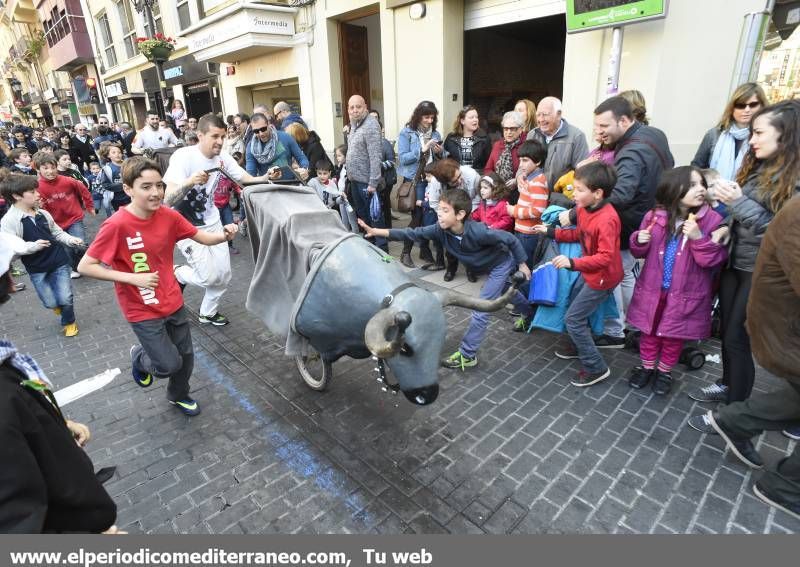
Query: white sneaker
(74, 275)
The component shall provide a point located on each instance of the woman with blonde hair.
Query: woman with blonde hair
(724, 146)
(309, 142)
(526, 109)
(636, 98)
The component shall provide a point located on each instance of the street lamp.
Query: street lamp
(146, 7)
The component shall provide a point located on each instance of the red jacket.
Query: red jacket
(598, 233)
(497, 149)
(494, 216)
(62, 198)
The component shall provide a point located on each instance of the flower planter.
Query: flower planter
(159, 53)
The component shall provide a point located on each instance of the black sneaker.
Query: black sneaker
(566, 351)
(791, 508)
(606, 341)
(744, 449)
(449, 276)
(702, 424)
(792, 432)
(187, 405)
(640, 377)
(662, 384)
(590, 378)
(711, 393)
(471, 277)
(217, 319)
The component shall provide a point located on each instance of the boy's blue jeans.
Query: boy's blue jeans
(583, 302)
(78, 230)
(492, 289)
(55, 290)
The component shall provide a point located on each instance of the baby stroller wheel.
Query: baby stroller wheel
(693, 358)
(315, 371)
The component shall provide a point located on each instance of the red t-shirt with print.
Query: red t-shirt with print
(130, 244)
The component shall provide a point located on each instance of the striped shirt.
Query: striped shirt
(533, 197)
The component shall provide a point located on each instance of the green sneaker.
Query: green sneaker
(458, 360)
(521, 324)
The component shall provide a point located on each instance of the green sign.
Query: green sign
(583, 15)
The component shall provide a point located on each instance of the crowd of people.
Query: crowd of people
(643, 252)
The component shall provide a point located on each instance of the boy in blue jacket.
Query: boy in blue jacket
(481, 249)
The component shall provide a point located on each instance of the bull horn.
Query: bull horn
(384, 332)
(450, 297)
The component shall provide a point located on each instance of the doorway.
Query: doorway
(505, 63)
(360, 60)
(199, 99)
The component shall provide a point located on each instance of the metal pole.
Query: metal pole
(751, 44)
(614, 61)
(159, 64)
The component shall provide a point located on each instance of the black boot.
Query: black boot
(662, 383)
(471, 276)
(640, 377)
(405, 259)
(448, 275)
(425, 256)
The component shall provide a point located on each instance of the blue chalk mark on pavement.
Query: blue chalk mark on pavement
(299, 456)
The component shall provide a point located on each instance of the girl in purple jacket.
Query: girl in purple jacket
(673, 295)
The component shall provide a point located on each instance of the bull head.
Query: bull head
(450, 297)
(384, 332)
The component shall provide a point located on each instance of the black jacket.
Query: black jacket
(641, 155)
(83, 152)
(481, 148)
(314, 152)
(47, 482)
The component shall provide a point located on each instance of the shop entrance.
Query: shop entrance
(360, 59)
(505, 63)
(269, 94)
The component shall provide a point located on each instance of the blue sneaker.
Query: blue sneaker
(792, 432)
(187, 405)
(142, 379)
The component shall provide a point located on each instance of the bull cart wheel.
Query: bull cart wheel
(315, 371)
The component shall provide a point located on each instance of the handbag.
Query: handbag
(407, 190)
(544, 285)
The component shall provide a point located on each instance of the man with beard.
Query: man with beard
(152, 137)
(191, 179)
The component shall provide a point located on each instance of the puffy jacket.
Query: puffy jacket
(641, 155)
(494, 216)
(481, 146)
(409, 150)
(687, 313)
(773, 310)
(750, 215)
(314, 152)
(565, 150)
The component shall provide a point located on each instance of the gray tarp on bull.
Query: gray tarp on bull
(289, 229)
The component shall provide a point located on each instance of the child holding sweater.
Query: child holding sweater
(493, 208)
(600, 267)
(672, 298)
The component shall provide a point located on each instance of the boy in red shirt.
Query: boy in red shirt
(137, 243)
(600, 267)
(62, 197)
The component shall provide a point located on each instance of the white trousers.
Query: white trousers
(208, 267)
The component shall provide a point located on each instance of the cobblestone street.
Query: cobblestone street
(508, 447)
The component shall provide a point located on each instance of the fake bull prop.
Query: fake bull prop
(332, 294)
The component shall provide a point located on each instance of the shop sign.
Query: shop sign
(86, 109)
(173, 72)
(583, 15)
(50, 94)
(116, 88)
(243, 22)
(5, 112)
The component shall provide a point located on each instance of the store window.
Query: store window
(157, 19)
(108, 42)
(779, 70)
(128, 28)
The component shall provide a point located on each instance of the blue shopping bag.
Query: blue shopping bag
(544, 285)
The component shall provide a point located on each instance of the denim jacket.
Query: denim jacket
(408, 151)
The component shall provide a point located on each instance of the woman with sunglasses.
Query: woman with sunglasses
(768, 179)
(724, 146)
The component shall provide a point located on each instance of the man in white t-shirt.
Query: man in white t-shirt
(190, 191)
(152, 137)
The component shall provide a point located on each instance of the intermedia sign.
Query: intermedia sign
(584, 15)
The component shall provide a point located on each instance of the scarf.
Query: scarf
(425, 136)
(505, 163)
(22, 362)
(724, 159)
(265, 152)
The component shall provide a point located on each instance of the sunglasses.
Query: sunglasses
(259, 130)
(743, 105)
